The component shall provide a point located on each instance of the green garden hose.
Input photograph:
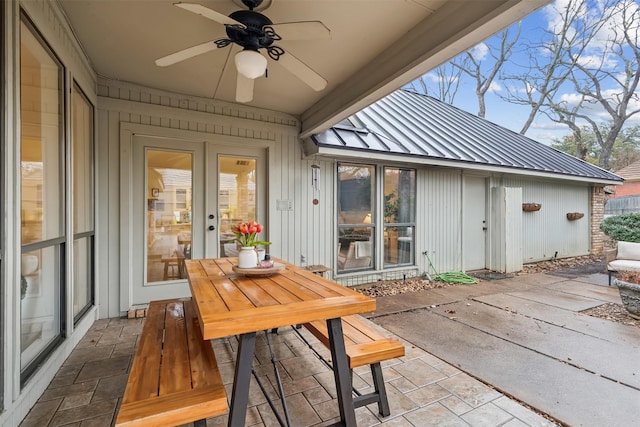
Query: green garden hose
(451, 277)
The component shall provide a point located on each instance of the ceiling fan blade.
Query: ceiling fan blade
(208, 13)
(187, 53)
(244, 88)
(305, 30)
(302, 71)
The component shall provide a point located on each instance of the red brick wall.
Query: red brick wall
(627, 189)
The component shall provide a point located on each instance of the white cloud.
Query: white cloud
(479, 51)
(435, 78)
(547, 125)
(596, 111)
(495, 87)
(607, 62)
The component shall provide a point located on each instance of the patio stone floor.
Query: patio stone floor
(423, 390)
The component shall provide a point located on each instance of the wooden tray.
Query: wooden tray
(256, 271)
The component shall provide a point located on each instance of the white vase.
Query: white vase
(247, 257)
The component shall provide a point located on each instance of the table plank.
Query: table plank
(257, 292)
(195, 270)
(300, 290)
(233, 298)
(222, 324)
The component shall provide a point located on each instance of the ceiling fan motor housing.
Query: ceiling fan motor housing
(254, 36)
(252, 4)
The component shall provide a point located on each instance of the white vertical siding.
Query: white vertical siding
(123, 106)
(548, 231)
(506, 229)
(439, 219)
(316, 221)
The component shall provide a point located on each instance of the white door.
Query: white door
(186, 196)
(474, 223)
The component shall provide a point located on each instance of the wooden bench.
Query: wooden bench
(174, 378)
(365, 346)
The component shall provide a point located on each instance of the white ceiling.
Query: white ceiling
(375, 47)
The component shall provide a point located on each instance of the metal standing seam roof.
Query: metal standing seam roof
(412, 124)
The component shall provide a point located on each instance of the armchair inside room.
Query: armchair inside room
(358, 256)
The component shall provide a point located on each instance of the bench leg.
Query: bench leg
(200, 423)
(381, 391)
(609, 277)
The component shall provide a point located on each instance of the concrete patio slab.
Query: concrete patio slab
(586, 289)
(571, 302)
(588, 325)
(568, 393)
(531, 342)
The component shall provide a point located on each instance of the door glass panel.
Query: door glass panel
(169, 178)
(236, 198)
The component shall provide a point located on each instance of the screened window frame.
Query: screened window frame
(378, 224)
(86, 234)
(409, 224)
(372, 226)
(58, 242)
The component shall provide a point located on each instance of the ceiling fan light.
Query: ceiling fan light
(250, 64)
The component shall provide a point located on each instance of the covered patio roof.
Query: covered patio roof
(374, 47)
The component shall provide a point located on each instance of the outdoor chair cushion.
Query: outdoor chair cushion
(624, 264)
(629, 251)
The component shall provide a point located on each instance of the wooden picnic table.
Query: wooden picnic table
(231, 304)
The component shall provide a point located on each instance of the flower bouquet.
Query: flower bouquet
(247, 236)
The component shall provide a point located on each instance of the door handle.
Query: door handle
(211, 228)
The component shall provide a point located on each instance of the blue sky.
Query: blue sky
(513, 116)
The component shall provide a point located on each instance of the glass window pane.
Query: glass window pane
(82, 274)
(356, 217)
(41, 201)
(82, 120)
(355, 194)
(399, 208)
(398, 246)
(237, 199)
(40, 302)
(399, 195)
(169, 180)
(41, 151)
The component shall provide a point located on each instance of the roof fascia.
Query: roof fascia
(346, 154)
(455, 27)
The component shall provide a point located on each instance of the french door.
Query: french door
(186, 197)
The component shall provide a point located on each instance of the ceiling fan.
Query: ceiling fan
(253, 31)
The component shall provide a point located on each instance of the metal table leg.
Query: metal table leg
(341, 372)
(241, 381)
